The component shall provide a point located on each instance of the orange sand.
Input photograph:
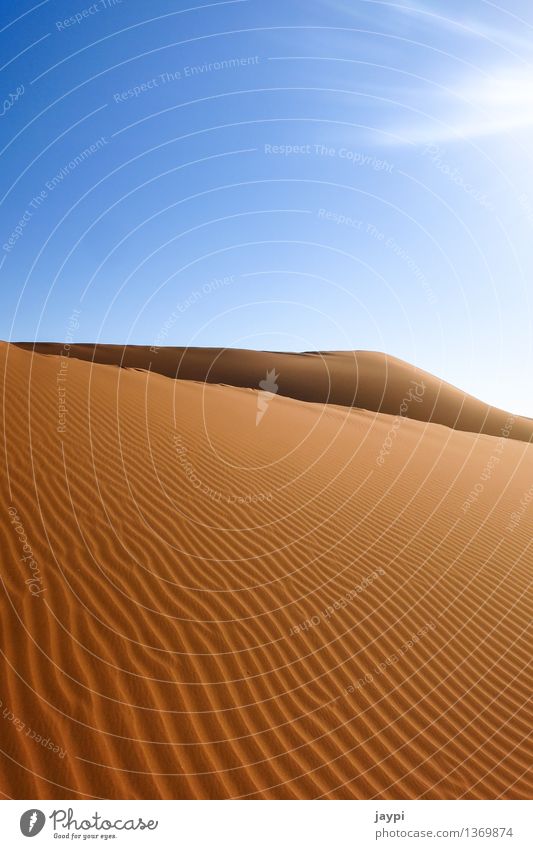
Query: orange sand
(177, 548)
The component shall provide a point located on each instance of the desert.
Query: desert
(331, 602)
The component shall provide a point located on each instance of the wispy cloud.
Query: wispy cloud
(497, 104)
(466, 26)
(468, 75)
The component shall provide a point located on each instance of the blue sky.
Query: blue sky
(287, 176)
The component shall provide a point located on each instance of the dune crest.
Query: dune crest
(364, 379)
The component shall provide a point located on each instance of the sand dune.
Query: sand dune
(332, 602)
(364, 379)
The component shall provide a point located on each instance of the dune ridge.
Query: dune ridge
(229, 609)
(364, 379)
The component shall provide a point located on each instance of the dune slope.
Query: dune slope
(318, 601)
